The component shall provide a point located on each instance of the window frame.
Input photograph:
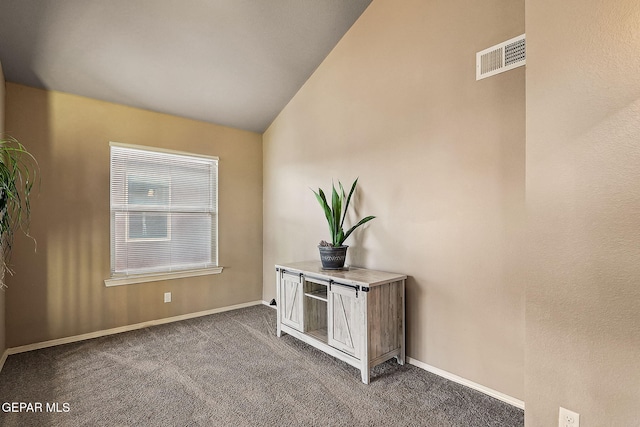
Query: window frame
(117, 280)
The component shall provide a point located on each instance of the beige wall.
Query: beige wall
(59, 291)
(441, 163)
(583, 196)
(2, 292)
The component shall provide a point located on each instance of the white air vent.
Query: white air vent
(501, 57)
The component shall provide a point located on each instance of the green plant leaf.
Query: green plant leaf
(325, 207)
(346, 206)
(361, 222)
(337, 212)
(336, 206)
(18, 172)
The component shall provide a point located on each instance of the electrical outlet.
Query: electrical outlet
(568, 418)
(167, 297)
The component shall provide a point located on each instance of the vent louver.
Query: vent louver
(501, 57)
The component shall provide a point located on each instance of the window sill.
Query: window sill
(155, 277)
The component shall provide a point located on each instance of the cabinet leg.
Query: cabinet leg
(365, 375)
(402, 356)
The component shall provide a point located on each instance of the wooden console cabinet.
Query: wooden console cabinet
(355, 315)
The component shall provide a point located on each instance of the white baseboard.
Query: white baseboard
(268, 304)
(97, 334)
(465, 382)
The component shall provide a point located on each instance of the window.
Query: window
(143, 225)
(163, 214)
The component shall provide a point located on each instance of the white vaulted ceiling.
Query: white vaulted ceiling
(231, 62)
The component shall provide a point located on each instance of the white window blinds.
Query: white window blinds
(163, 211)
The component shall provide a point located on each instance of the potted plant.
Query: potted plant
(18, 171)
(333, 254)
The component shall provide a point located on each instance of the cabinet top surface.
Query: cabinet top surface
(353, 275)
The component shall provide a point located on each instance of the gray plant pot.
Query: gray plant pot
(333, 258)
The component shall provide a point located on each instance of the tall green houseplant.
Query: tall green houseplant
(18, 172)
(333, 254)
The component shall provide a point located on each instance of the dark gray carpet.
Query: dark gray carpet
(230, 369)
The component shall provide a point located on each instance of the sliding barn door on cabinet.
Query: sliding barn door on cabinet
(344, 323)
(291, 299)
